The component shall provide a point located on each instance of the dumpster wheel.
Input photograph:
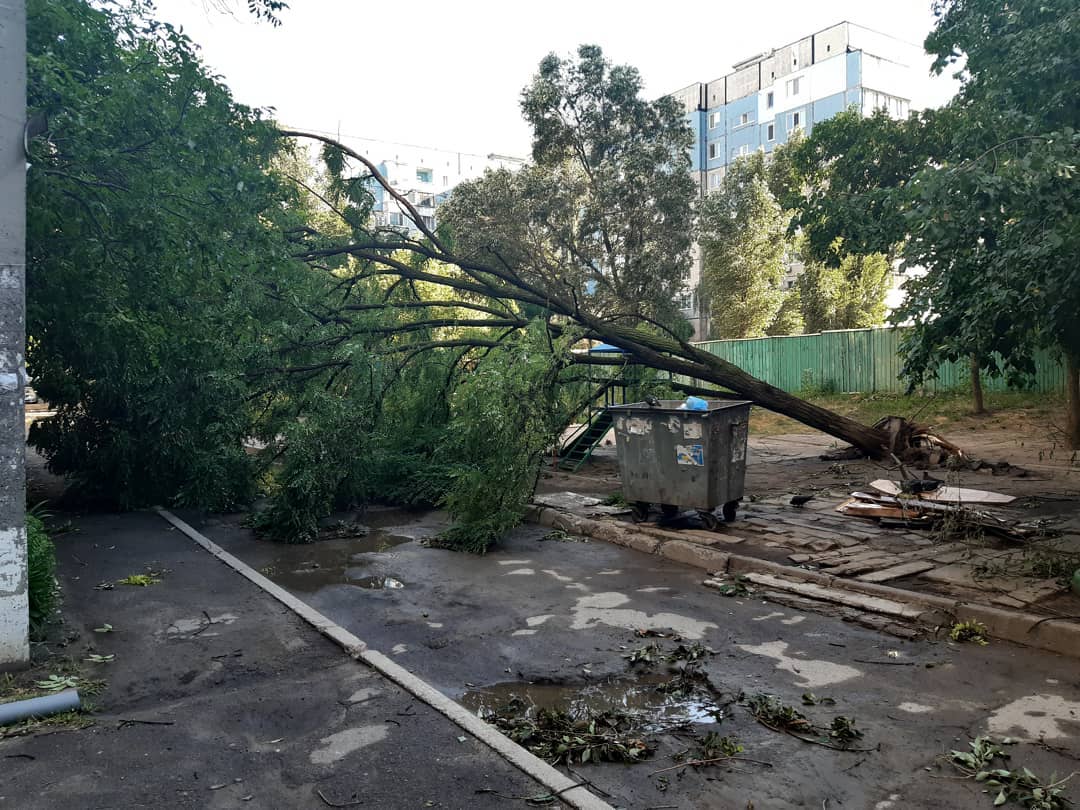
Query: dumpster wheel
(729, 511)
(640, 511)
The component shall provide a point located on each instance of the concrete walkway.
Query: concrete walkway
(220, 697)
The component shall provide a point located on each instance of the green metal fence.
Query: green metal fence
(865, 360)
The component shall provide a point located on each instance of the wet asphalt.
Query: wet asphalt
(553, 621)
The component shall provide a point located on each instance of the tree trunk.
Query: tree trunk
(669, 355)
(1072, 401)
(976, 385)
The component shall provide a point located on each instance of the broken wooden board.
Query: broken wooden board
(944, 494)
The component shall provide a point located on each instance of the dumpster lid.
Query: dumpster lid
(666, 405)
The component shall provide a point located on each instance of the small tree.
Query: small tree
(851, 296)
(743, 243)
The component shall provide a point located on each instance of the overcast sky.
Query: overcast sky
(449, 74)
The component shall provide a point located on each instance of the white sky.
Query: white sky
(449, 74)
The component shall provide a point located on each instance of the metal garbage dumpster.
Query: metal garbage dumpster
(682, 459)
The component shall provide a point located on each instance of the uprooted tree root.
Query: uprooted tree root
(919, 447)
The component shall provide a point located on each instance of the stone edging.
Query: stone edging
(531, 765)
(1054, 635)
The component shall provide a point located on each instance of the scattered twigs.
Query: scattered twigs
(129, 722)
(540, 798)
(694, 763)
(329, 803)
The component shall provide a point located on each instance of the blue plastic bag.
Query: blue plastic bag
(694, 404)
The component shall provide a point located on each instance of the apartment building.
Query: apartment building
(424, 175)
(773, 94)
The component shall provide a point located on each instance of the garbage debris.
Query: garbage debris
(933, 490)
(930, 509)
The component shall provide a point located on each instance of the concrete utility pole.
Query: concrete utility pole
(14, 608)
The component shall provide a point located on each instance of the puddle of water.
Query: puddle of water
(344, 561)
(641, 697)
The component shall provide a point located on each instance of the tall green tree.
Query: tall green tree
(996, 221)
(609, 189)
(743, 243)
(154, 224)
(851, 296)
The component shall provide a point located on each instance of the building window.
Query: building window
(714, 120)
(445, 180)
(794, 121)
(714, 151)
(395, 218)
(740, 152)
(429, 222)
(793, 86)
(770, 132)
(423, 175)
(769, 100)
(714, 180)
(744, 119)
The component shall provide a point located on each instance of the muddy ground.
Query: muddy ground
(553, 622)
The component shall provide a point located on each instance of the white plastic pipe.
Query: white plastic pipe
(65, 701)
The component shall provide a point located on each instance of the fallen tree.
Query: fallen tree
(647, 340)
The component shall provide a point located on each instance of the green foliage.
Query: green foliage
(153, 230)
(713, 746)
(969, 632)
(789, 318)
(849, 296)
(139, 580)
(561, 737)
(1018, 785)
(839, 183)
(504, 416)
(604, 214)
(40, 574)
(743, 244)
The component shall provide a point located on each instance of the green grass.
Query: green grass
(41, 574)
(949, 409)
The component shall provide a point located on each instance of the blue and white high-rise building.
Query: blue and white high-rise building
(773, 94)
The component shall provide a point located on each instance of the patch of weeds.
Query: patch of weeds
(737, 587)
(140, 580)
(74, 720)
(1017, 785)
(969, 632)
(614, 499)
(560, 737)
(647, 654)
(268, 570)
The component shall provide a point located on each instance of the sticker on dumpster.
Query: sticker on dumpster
(692, 430)
(690, 455)
(673, 424)
(638, 426)
(738, 442)
(620, 423)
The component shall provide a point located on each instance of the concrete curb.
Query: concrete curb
(1030, 630)
(528, 763)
